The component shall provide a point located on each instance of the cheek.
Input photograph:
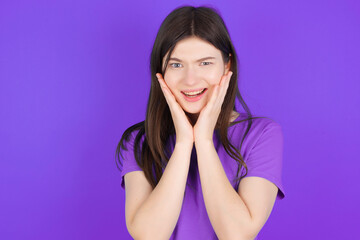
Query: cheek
(171, 80)
(212, 75)
(213, 78)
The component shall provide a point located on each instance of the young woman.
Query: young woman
(197, 168)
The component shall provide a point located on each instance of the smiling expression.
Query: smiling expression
(193, 70)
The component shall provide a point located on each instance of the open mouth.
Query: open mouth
(194, 94)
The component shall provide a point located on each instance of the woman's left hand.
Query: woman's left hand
(205, 124)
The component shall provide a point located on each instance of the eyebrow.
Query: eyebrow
(199, 60)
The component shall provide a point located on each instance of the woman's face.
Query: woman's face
(194, 66)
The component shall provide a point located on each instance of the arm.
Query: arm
(233, 215)
(155, 214)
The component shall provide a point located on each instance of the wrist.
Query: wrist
(186, 145)
(204, 143)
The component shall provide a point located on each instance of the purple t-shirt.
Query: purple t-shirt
(262, 151)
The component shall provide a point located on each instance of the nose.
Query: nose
(190, 77)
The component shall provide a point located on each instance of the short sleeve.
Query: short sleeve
(266, 156)
(128, 160)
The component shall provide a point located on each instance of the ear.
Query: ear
(228, 65)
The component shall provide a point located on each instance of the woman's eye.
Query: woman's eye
(175, 65)
(205, 63)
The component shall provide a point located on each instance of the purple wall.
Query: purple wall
(74, 75)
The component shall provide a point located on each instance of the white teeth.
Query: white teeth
(193, 93)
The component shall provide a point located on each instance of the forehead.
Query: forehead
(194, 48)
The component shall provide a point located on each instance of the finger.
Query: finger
(220, 87)
(219, 96)
(164, 86)
(170, 98)
(214, 95)
(225, 86)
(167, 94)
(218, 91)
(226, 80)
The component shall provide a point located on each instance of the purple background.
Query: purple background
(74, 75)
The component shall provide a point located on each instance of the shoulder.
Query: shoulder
(252, 130)
(257, 123)
(263, 125)
(133, 134)
(131, 139)
(263, 154)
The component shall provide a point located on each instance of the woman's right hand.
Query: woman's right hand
(183, 128)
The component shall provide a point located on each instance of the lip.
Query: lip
(194, 99)
(192, 90)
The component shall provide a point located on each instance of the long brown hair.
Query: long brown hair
(183, 22)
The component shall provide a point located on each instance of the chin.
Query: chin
(193, 110)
